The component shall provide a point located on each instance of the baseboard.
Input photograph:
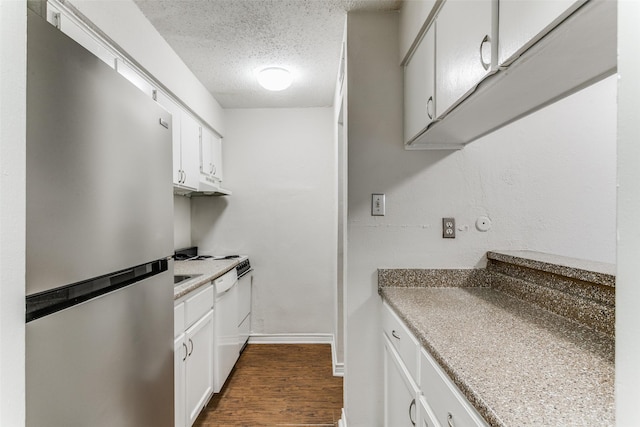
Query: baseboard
(291, 339)
(338, 368)
(342, 422)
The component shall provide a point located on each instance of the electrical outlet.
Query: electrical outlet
(377, 204)
(448, 228)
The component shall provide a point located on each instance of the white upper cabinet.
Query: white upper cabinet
(131, 74)
(176, 133)
(414, 15)
(524, 22)
(189, 151)
(463, 49)
(419, 87)
(490, 72)
(211, 155)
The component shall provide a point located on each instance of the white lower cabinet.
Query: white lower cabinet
(400, 391)
(193, 355)
(199, 369)
(422, 396)
(426, 418)
(449, 406)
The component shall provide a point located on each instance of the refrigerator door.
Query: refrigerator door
(106, 362)
(99, 162)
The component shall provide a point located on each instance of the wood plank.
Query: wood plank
(278, 385)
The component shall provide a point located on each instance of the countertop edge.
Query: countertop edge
(197, 282)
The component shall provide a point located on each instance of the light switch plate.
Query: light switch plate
(377, 204)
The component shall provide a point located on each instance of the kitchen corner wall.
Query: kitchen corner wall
(181, 222)
(281, 166)
(547, 182)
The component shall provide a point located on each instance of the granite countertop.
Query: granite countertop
(519, 365)
(208, 270)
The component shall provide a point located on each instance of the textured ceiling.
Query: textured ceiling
(225, 41)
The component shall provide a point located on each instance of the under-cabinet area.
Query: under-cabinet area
(212, 323)
(463, 348)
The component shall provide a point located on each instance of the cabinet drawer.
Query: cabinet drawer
(178, 319)
(402, 340)
(448, 404)
(198, 305)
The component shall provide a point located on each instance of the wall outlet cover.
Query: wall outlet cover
(448, 228)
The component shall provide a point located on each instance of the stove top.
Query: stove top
(191, 254)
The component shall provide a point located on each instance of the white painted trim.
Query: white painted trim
(338, 368)
(291, 339)
(342, 422)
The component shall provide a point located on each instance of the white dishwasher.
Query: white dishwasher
(226, 339)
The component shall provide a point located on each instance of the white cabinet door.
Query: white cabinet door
(523, 22)
(463, 49)
(176, 134)
(217, 158)
(129, 73)
(419, 87)
(179, 365)
(190, 150)
(199, 370)
(413, 15)
(211, 154)
(400, 392)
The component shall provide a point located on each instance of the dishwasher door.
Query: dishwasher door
(226, 342)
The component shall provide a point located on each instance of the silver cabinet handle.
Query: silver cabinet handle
(395, 335)
(450, 420)
(213, 169)
(430, 108)
(485, 65)
(413, 404)
(191, 346)
(185, 352)
(184, 177)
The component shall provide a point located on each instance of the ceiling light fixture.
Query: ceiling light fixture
(275, 78)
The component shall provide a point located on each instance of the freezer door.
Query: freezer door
(99, 161)
(106, 362)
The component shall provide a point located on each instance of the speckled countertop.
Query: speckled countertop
(208, 270)
(517, 364)
(592, 271)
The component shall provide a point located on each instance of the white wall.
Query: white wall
(181, 222)
(627, 283)
(547, 182)
(125, 24)
(280, 165)
(13, 22)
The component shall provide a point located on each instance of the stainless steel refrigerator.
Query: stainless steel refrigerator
(99, 306)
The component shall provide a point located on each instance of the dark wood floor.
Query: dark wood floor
(278, 385)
